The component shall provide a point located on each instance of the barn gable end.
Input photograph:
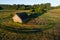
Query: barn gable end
(20, 17)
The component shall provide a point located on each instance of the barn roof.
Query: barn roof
(23, 15)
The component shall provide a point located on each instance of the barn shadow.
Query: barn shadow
(35, 15)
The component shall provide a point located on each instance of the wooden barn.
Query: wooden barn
(20, 17)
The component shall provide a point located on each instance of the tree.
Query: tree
(47, 6)
(1, 8)
(21, 7)
(42, 8)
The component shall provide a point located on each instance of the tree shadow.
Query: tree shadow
(1, 8)
(33, 16)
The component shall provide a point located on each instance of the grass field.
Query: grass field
(49, 23)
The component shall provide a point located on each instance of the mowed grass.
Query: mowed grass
(4, 13)
(46, 18)
(49, 22)
(51, 16)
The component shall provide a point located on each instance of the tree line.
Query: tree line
(34, 8)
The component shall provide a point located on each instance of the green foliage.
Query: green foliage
(37, 8)
(42, 8)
